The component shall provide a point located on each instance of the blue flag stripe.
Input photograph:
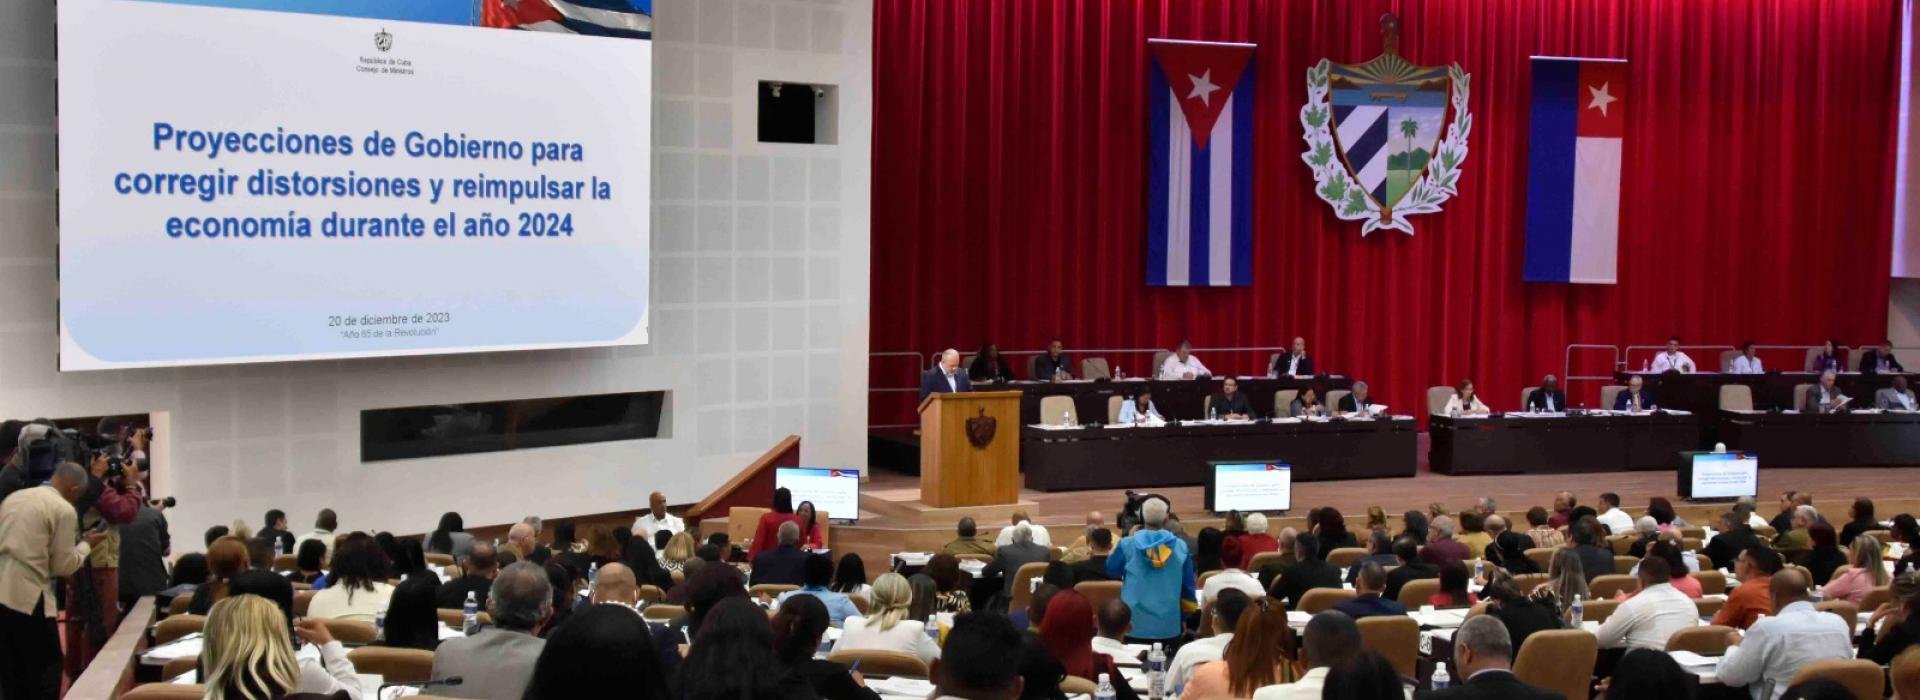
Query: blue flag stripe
(1243, 179)
(1550, 161)
(1197, 236)
(1157, 115)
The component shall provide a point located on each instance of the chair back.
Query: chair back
(665, 614)
(1599, 609)
(1800, 395)
(1437, 399)
(1333, 398)
(982, 558)
(1877, 597)
(1159, 358)
(1736, 397)
(650, 593)
(1726, 365)
(860, 604)
(1200, 582)
(1625, 563)
(1527, 393)
(438, 559)
(1527, 582)
(1319, 600)
(1283, 402)
(1273, 358)
(179, 604)
(1416, 592)
(1344, 557)
(393, 664)
(178, 626)
(165, 691)
(457, 618)
(1621, 544)
(453, 572)
(350, 631)
(1206, 619)
(1075, 685)
(1261, 559)
(1712, 582)
(881, 663)
(301, 601)
(284, 563)
(1844, 608)
(1052, 406)
(175, 667)
(1610, 394)
(1862, 677)
(1708, 607)
(1022, 589)
(1694, 532)
(1542, 557)
(1766, 532)
(1396, 637)
(1098, 593)
(1690, 544)
(1090, 368)
(1705, 640)
(1558, 660)
(742, 521)
(770, 590)
(1114, 403)
(1610, 585)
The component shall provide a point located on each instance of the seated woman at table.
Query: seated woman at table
(1682, 578)
(1864, 573)
(1139, 409)
(989, 366)
(1307, 404)
(1825, 556)
(1453, 587)
(950, 584)
(1828, 359)
(413, 621)
(1260, 654)
(1521, 614)
(248, 653)
(766, 535)
(1464, 402)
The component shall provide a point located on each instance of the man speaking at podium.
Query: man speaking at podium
(945, 377)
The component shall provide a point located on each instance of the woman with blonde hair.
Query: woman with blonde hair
(1865, 572)
(674, 556)
(1569, 580)
(247, 656)
(886, 626)
(226, 558)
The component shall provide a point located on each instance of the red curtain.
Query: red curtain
(1009, 177)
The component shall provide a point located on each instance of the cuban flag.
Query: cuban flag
(630, 19)
(1573, 180)
(1200, 169)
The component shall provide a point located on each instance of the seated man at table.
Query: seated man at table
(968, 540)
(1230, 403)
(1673, 360)
(1646, 620)
(1548, 398)
(1140, 409)
(1441, 547)
(1293, 364)
(1755, 567)
(1182, 364)
(1053, 364)
(1748, 362)
(1310, 571)
(1895, 398)
(783, 564)
(1773, 650)
(1411, 567)
(1483, 666)
(1368, 600)
(1356, 402)
(1824, 397)
(945, 377)
(1635, 398)
(1880, 360)
(1735, 536)
(1021, 552)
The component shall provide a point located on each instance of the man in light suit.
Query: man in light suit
(1548, 398)
(1880, 359)
(945, 378)
(1897, 397)
(498, 662)
(1824, 397)
(1356, 402)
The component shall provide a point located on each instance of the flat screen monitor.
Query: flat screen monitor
(835, 492)
(1721, 475)
(1250, 486)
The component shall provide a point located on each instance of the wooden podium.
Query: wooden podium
(970, 449)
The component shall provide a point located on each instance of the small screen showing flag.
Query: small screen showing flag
(1199, 164)
(1573, 178)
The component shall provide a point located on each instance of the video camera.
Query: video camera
(44, 446)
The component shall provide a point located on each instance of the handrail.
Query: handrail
(785, 453)
(111, 671)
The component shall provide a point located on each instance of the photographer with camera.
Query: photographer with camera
(39, 540)
(116, 488)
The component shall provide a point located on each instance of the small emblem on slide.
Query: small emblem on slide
(383, 40)
(980, 429)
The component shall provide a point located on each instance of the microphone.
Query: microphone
(448, 681)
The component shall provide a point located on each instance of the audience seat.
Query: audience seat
(1332, 399)
(1691, 544)
(298, 586)
(1416, 592)
(1726, 365)
(1736, 397)
(1206, 620)
(456, 617)
(1076, 686)
(1159, 358)
(453, 572)
(1344, 557)
(1542, 557)
(1693, 532)
(1283, 401)
(175, 667)
(1599, 609)
(177, 626)
(1200, 581)
(742, 521)
(301, 600)
(1437, 399)
(1862, 677)
(438, 559)
(1621, 544)
(1712, 582)
(285, 563)
(1260, 560)
(1098, 593)
(1705, 640)
(1052, 406)
(1844, 608)
(179, 604)
(1022, 589)
(1114, 403)
(393, 664)
(1526, 393)
(1623, 562)
(1558, 660)
(1708, 607)
(1527, 582)
(1318, 600)
(650, 593)
(770, 590)
(1090, 368)
(1766, 532)
(1610, 394)
(665, 614)
(1881, 536)
(350, 632)
(1396, 637)
(982, 558)
(881, 663)
(1800, 395)
(1605, 587)
(859, 603)
(165, 691)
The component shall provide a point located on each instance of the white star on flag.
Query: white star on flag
(1203, 87)
(1601, 98)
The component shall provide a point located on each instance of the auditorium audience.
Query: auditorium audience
(1800, 536)
(1775, 648)
(968, 540)
(850, 577)
(356, 587)
(1735, 536)
(1414, 525)
(1208, 550)
(890, 624)
(981, 660)
(413, 617)
(1860, 519)
(1331, 528)
(1680, 573)
(1379, 552)
(766, 533)
(797, 630)
(1618, 522)
(733, 657)
(1231, 577)
(411, 561)
(1260, 654)
(1094, 566)
(1509, 551)
(639, 556)
(1906, 531)
(1755, 567)
(1330, 640)
(1646, 531)
(1520, 614)
(1077, 551)
(1864, 572)
(1367, 600)
(324, 523)
(784, 564)
(674, 556)
(1473, 534)
(1595, 560)
(1483, 666)
(1309, 571)
(1453, 587)
(949, 583)
(226, 558)
(1542, 534)
(1567, 581)
(1825, 555)
(1563, 504)
(1021, 551)
(1040, 535)
(604, 649)
(1029, 618)
(247, 653)
(308, 564)
(450, 537)
(1114, 622)
(1227, 608)
(1441, 546)
(1157, 574)
(499, 661)
(1647, 674)
(275, 530)
(565, 584)
(1894, 627)
(1366, 676)
(1411, 567)
(818, 583)
(1652, 615)
(1067, 631)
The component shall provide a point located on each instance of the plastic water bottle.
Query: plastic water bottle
(470, 616)
(1577, 612)
(593, 572)
(380, 624)
(1156, 673)
(1104, 690)
(1065, 420)
(1817, 596)
(1440, 678)
(1480, 569)
(933, 629)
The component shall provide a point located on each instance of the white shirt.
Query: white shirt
(1674, 360)
(1776, 647)
(1455, 407)
(1293, 364)
(332, 672)
(324, 536)
(1307, 687)
(1231, 578)
(1743, 365)
(1646, 620)
(335, 602)
(646, 525)
(1173, 368)
(1616, 520)
(1113, 647)
(906, 637)
(953, 383)
(1040, 536)
(1191, 655)
(1754, 520)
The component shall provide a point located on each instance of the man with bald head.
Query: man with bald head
(657, 518)
(786, 563)
(945, 377)
(1766, 658)
(1080, 550)
(616, 585)
(476, 577)
(39, 542)
(521, 538)
(1293, 363)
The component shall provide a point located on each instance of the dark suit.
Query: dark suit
(1369, 606)
(1491, 685)
(1296, 580)
(1870, 362)
(987, 371)
(1301, 368)
(1537, 401)
(1237, 403)
(1348, 405)
(1410, 571)
(780, 565)
(1093, 569)
(282, 540)
(453, 594)
(1595, 561)
(1727, 546)
(1625, 399)
(1008, 560)
(1045, 367)
(934, 381)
